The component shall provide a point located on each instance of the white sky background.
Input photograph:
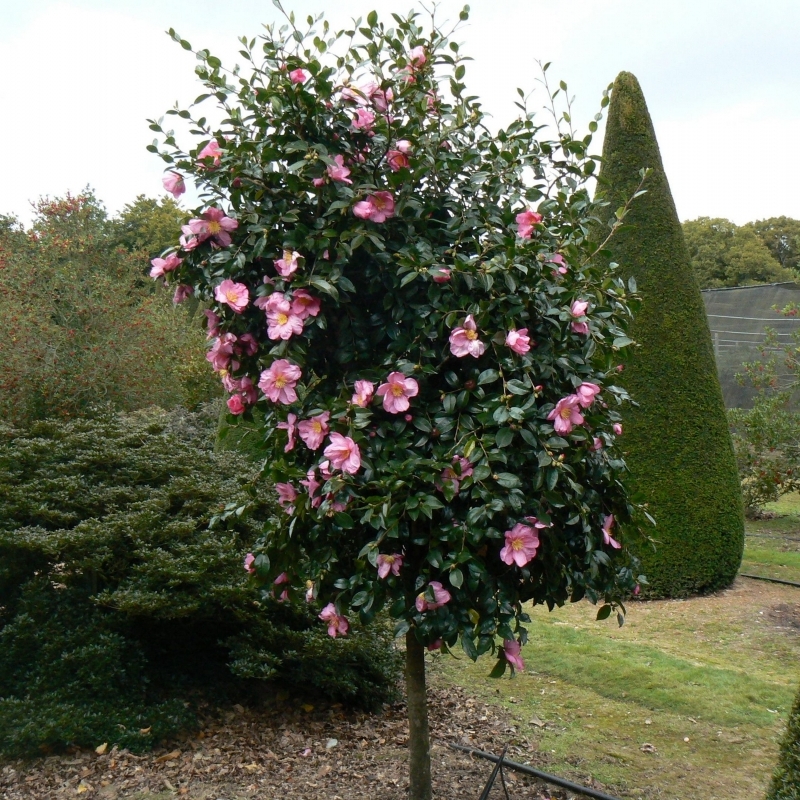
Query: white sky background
(721, 79)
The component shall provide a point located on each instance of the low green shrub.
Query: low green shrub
(786, 780)
(120, 601)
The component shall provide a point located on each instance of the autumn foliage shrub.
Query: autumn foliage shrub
(119, 600)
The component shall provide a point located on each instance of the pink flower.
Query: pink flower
(288, 265)
(182, 291)
(597, 444)
(382, 99)
(299, 76)
(364, 120)
(525, 222)
(462, 468)
(377, 207)
(566, 415)
(312, 484)
(304, 305)
(248, 390)
(318, 182)
(522, 541)
(617, 428)
(279, 381)
(519, 341)
(248, 564)
(437, 645)
(221, 352)
(363, 393)
(343, 453)
(511, 652)
(464, 340)
(586, 393)
(233, 294)
(340, 171)
(558, 260)
(279, 581)
(161, 266)
(417, 56)
(287, 494)
(387, 564)
(441, 596)
(442, 275)
(174, 184)
(396, 160)
(212, 224)
(189, 240)
(396, 391)
(212, 323)
(236, 405)
(211, 150)
(289, 427)
(608, 523)
(313, 431)
(282, 323)
(309, 591)
(337, 624)
(578, 309)
(247, 344)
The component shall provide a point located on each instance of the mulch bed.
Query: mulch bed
(288, 752)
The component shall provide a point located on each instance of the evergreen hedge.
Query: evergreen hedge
(677, 441)
(120, 603)
(786, 780)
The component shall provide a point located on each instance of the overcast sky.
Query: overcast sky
(721, 79)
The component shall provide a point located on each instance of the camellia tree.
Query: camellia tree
(408, 307)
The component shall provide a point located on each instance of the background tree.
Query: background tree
(428, 332)
(147, 226)
(782, 236)
(724, 254)
(678, 445)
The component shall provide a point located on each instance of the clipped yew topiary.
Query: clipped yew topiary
(677, 441)
(786, 780)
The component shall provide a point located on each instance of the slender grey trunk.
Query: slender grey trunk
(419, 745)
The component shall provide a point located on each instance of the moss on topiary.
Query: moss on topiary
(786, 780)
(677, 441)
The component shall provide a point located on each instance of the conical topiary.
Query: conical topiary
(677, 441)
(786, 780)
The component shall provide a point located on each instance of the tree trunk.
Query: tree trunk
(419, 746)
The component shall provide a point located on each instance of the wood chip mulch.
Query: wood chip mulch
(288, 752)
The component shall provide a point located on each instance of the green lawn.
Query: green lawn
(686, 701)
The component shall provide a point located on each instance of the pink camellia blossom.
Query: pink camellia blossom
(417, 56)
(586, 393)
(363, 393)
(511, 650)
(309, 591)
(160, 266)
(364, 120)
(288, 265)
(617, 428)
(381, 99)
(441, 596)
(325, 469)
(312, 485)
(279, 581)
(339, 171)
(464, 340)
(248, 564)
(343, 453)
(282, 322)
(279, 381)
(318, 182)
(299, 75)
(313, 431)
(236, 405)
(212, 224)
(189, 240)
(387, 564)
(437, 645)
(578, 309)
(525, 222)
(287, 494)
(462, 468)
(182, 291)
(442, 275)
(232, 294)
(637, 589)
(519, 341)
(396, 392)
(247, 344)
(221, 352)
(404, 146)
(608, 523)
(248, 390)
(289, 426)
(211, 150)
(174, 184)
(558, 260)
(377, 207)
(396, 160)
(212, 323)
(361, 93)
(522, 541)
(337, 624)
(566, 414)
(597, 444)
(305, 305)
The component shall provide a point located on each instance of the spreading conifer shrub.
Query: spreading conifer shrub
(122, 591)
(786, 780)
